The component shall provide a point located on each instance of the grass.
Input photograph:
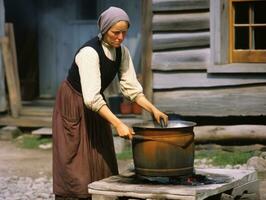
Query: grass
(31, 141)
(125, 155)
(223, 158)
(218, 157)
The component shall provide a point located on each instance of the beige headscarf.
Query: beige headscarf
(111, 16)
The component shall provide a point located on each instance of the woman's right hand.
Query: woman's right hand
(124, 131)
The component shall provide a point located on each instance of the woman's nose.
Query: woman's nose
(121, 36)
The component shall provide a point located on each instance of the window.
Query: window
(237, 32)
(247, 31)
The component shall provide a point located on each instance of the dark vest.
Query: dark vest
(108, 68)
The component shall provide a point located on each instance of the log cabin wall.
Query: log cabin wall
(180, 58)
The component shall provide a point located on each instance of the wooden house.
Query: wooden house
(201, 59)
(206, 59)
(39, 40)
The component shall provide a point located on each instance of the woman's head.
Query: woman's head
(113, 24)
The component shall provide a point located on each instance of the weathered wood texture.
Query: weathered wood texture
(146, 12)
(62, 32)
(182, 59)
(253, 134)
(173, 5)
(3, 101)
(231, 101)
(36, 111)
(202, 80)
(219, 31)
(11, 71)
(164, 41)
(26, 121)
(250, 68)
(180, 22)
(184, 67)
(124, 186)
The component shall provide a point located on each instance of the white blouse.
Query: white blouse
(88, 63)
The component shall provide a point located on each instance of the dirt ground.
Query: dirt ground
(33, 163)
(36, 163)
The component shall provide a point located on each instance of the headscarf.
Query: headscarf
(111, 16)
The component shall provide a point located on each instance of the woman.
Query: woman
(83, 149)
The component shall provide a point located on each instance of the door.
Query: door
(62, 29)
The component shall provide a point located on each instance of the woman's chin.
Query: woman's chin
(116, 45)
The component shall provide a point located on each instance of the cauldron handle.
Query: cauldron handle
(140, 137)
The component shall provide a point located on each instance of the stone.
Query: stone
(257, 163)
(46, 146)
(9, 132)
(225, 196)
(263, 155)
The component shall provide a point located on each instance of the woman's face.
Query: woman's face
(116, 34)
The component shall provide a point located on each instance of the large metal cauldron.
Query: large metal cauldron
(163, 151)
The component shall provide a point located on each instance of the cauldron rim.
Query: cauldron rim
(172, 124)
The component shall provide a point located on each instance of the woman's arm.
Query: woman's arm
(122, 129)
(132, 89)
(147, 105)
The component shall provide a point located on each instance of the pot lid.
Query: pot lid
(171, 124)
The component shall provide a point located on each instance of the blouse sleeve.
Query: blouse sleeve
(89, 70)
(130, 86)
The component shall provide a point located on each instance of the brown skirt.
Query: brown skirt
(83, 148)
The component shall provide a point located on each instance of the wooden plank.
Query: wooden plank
(219, 31)
(176, 80)
(164, 41)
(180, 22)
(11, 78)
(199, 58)
(42, 131)
(26, 121)
(179, 66)
(125, 186)
(9, 29)
(254, 68)
(248, 56)
(146, 51)
(231, 101)
(170, 5)
(36, 111)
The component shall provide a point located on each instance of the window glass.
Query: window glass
(259, 12)
(241, 13)
(241, 38)
(259, 37)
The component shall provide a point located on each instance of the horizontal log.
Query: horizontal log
(180, 66)
(238, 68)
(162, 41)
(253, 134)
(26, 121)
(220, 102)
(36, 111)
(170, 5)
(194, 57)
(180, 22)
(201, 79)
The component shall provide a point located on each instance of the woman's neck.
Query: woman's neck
(106, 44)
